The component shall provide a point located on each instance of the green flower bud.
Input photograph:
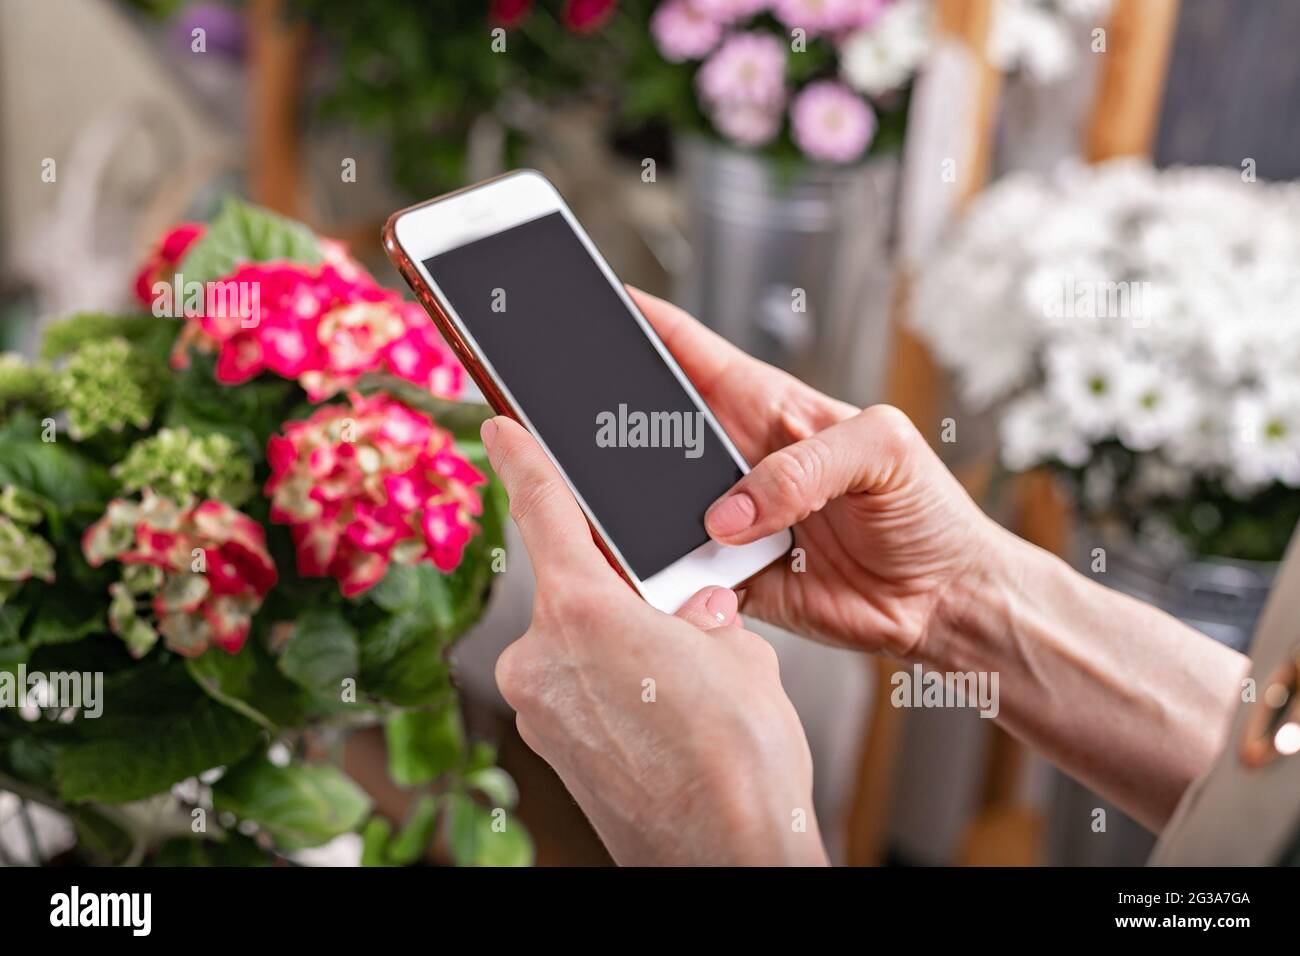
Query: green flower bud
(107, 386)
(181, 465)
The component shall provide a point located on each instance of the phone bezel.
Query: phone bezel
(421, 232)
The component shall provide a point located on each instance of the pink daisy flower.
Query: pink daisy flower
(747, 124)
(831, 123)
(748, 69)
(683, 32)
(823, 16)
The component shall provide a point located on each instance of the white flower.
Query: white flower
(1035, 430)
(886, 54)
(1117, 304)
(1155, 406)
(1023, 35)
(1088, 380)
(1266, 438)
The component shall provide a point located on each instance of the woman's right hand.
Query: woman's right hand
(883, 530)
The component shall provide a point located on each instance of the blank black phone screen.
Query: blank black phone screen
(593, 385)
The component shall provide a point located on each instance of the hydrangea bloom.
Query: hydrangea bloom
(180, 465)
(323, 326)
(367, 483)
(161, 264)
(587, 16)
(23, 553)
(105, 385)
(201, 572)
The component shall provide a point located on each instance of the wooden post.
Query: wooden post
(1130, 90)
(277, 54)
(914, 386)
(1131, 87)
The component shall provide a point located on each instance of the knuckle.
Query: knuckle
(891, 425)
(528, 499)
(799, 469)
(512, 675)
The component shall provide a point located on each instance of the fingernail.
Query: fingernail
(722, 604)
(488, 432)
(732, 515)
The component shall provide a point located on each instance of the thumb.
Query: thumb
(865, 453)
(709, 608)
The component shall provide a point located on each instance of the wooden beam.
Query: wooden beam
(277, 55)
(914, 386)
(1131, 87)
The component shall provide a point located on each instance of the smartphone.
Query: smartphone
(553, 340)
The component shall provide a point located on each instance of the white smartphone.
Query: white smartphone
(553, 340)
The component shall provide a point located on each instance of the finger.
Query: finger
(554, 528)
(761, 407)
(709, 608)
(704, 355)
(862, 454)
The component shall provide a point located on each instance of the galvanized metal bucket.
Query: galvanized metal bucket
(794, 266)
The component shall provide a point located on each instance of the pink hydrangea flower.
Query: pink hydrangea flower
(323, 326)
(683, 32)
(831, 123)
(161, 263)
(368, 483)
(587, 16)
(825, 16)
(212, 571)
(747, 70)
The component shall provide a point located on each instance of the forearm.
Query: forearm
(1118, 694)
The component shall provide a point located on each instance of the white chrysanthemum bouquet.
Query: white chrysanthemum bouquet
(1140, 331)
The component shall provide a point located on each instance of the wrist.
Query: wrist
(978, 608)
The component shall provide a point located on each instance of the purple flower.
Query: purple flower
(747, 124)
(831, 123)
(747, 70)
(825, 16)
(683, 32)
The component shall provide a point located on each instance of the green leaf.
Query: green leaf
(403, 661)
(51, 470)
(64, 618)
(322, 652)
(374, 842)
(479, 836)
(495, 784)
(248, 682)
(413, 841)
(235, 850)
(424, 744)
(299, 806)
(242, 233)
(101, 839)
(142, 762)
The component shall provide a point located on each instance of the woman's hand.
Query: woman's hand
(672, 732)
(882, 529)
